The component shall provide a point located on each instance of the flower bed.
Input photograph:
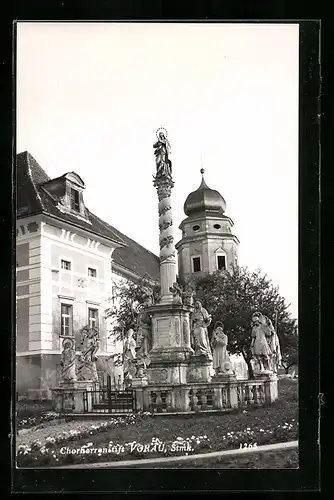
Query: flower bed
(148, 436)
(28, 422)
(112, 440)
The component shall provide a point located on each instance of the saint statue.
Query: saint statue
(274, 345)
(200, 321)
(162, 151)
(221, 359)
(144, 335)
(67, 361)
(129, 355)
(259, 346)
(176, 291)
(90, 343)
(188, 297)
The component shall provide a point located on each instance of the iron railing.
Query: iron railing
(107, 399)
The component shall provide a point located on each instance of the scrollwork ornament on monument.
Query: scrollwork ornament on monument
(163, 258)
(165, 224)
(163, 210)
(164, 190)
(166, 241)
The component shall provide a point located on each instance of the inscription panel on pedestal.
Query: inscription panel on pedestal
(163, 332)
(159, 375)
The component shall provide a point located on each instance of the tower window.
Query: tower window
(196, 228)
(75, 205)
(196, 264)
(217, 226)
(221, 262)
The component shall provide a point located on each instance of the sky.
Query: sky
(90, 97)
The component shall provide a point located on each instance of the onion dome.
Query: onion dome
(204, 199)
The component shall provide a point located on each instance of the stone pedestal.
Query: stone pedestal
(224, 377)
(199, 369)
(171, 348)
(270, 386)
(137, 384)
(69, 397)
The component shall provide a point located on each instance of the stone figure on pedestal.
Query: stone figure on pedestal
(90, 343)
(188, 297)
(176, 291)
(221, 360)
(129, 355)
(259, 346)
(144, 337)
(200, 321)
(67, 361)
(274, 345)
(148, 296)
(162, 151)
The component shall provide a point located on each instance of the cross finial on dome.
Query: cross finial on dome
(202, 169)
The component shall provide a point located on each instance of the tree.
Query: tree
(233, 298)
(230, 298)
(128, 296)
(290, 354)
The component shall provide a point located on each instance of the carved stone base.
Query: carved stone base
(224, 377)
(270, 385)
(169, 372)
(139, 382)
(69, 397)
(160, 355)
(264, 373)
(199, 370)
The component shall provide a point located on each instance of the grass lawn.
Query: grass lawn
(168, 436)
(285, 459)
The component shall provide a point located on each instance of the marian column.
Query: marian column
(164, 183)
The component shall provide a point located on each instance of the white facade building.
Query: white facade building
(67, 261)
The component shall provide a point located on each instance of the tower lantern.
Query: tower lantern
(207, 243)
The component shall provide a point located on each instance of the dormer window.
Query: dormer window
(75, 200)
(66, 192)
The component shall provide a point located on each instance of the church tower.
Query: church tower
(207, 243)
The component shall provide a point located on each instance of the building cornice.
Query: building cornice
(81, 231)
(205, 216)
(206, 236)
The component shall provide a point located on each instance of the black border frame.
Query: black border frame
(307, 477)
